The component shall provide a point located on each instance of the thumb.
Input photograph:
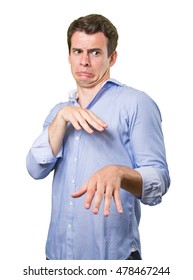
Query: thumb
(80, 191)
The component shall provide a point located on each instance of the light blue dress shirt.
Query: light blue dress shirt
(133, 138)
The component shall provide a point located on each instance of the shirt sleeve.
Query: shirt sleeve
(42, 151)
(154, 185)
(149, 154)
(40, 160)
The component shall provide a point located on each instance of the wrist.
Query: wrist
(61, 122)
(131, 180)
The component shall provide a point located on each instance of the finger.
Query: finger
(94, 121)
(81, 122)
(89, 196)
(99, 194)
(97, 119)
(107, 202)
(117, 199)
(75, 123)
(79, 192)
(84, 125)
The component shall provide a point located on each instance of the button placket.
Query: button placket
(71, 204)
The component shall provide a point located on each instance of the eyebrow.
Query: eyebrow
(89, 50)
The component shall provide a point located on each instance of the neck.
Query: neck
(85, 95)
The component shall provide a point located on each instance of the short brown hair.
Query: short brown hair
(91, 24)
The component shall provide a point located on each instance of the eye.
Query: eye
(76, 51)
(96, 52)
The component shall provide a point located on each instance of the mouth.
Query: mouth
(84, 74)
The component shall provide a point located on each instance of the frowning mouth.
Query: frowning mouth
(84, 74)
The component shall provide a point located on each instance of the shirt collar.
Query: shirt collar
(73, 94)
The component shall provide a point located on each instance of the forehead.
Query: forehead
(86, 41)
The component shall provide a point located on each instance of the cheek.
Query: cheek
(72, 63)
(104, 66)
(71, 60)
(100, 64)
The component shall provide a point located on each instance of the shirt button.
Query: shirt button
(70, 203)
(75, 159)
(77, 137)
(69, 226)
(73, 181)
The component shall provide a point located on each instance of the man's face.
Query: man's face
(89, 59)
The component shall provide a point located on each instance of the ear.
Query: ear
(113, 58)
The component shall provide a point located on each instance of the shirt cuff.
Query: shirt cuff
(153, 185)
(42, 150)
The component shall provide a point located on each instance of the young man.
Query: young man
(107, 151)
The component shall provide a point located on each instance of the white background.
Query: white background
(154, 55)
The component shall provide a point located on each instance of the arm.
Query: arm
(149, 179)
(107, 183)
(149, 155)
(47, 148)
(40, 160)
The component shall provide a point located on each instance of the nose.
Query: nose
(85, 61)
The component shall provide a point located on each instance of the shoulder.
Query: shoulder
(134, 100)
(127, 91)
(130, 93)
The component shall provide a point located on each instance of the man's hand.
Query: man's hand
(105, 183)
(79, 118)
(82, 118)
